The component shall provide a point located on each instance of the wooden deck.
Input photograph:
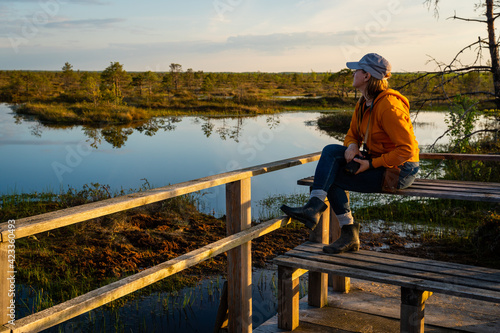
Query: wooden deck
(416, 279)
(374, 307)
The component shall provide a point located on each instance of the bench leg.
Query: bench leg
(412, 310)
(288, 297)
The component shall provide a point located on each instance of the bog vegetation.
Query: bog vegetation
(114, 95)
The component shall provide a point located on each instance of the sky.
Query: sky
(232, 35)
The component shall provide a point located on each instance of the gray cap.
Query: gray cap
(372, 63)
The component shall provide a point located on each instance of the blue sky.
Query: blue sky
(230, 35)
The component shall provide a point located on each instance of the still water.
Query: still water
(44, 157)
(190, 310)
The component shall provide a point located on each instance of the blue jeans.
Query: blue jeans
(331, 177)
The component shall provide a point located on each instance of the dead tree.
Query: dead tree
(490, 42)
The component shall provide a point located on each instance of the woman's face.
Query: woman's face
(360, 78)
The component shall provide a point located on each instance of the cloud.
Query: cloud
(87, 23)
(62, 2)
(283, 41)
(273, 43)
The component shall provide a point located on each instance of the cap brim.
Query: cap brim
(353, 65)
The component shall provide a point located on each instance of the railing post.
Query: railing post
(5, 284)
(318, 282)
(238, 218)
(338, 283)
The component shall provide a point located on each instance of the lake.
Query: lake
(37, 157)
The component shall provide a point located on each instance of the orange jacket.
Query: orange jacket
(391, 140)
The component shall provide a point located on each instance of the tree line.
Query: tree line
(114, 86)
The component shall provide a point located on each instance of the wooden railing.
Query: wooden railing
(237, 244)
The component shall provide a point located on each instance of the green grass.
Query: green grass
(83, 113)
(442, 213)
(52, 111)
(269, 207)
(49, 264)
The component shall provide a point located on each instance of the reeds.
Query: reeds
(83, 113)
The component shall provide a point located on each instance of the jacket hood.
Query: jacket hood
(395, 93)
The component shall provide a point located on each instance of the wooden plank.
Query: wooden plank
(442, 183)
(415, 271)
(451, 190)
(394, 279)
(485, 273)
(383, 267)
(49, 221)
(478, 273)
(462, 157)
(443, 189)
(457, 183)
(486, 197)
(239, 259)
(308, 181)
(446, 268)
(448, 188)
(7, 283)
(91, 300)
(456, 187)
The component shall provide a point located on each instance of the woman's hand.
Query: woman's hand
(351, 152)
(363, 165)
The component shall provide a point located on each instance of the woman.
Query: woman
(381, 125)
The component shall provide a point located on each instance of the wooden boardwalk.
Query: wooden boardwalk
(374, 308)
(237, 245)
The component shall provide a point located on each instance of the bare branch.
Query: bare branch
(455, 17)
(462, 71)
(430, 3)
(467, 69)
(478, 42)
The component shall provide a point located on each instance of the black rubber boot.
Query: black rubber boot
(348, 240)
(309, 214)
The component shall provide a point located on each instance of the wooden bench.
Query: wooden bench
(443, 189)
(447, 189)
(418, 278)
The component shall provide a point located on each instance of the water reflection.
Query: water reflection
(227, 128)
(118, 135)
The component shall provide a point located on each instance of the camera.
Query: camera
(353, 166)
